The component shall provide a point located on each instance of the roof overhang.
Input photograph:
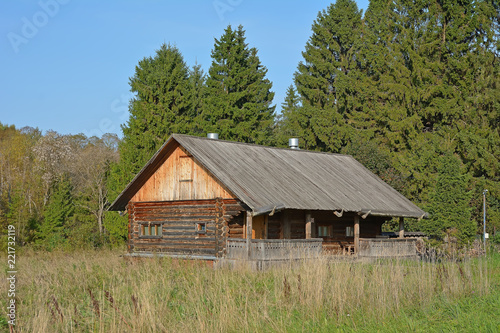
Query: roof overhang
(269, 209)
(415, 215)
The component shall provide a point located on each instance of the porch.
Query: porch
(273, 249)
(296, 249)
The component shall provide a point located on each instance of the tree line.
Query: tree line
(410, 89)
(53, 188)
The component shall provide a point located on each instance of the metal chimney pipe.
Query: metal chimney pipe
(293, 143)
(214, 136)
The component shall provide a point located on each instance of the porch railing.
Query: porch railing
(376, 247)
(274, 249)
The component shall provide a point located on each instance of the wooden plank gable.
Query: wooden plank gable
(181, 177)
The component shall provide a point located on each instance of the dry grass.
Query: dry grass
(101, 292)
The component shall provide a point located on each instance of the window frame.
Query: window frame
(150, 226)
(201, 228)
(329, 229)
(349, 231)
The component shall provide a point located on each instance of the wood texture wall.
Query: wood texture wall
(275, 228)
(181, 177)
(178, 221)
(297, 220)
(236, 226)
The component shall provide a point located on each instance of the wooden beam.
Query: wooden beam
(249, 233)
(356, 234)
(266, 227)
(401, 227)
(314, 231)
(308, 225)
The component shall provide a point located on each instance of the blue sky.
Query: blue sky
(66, 64)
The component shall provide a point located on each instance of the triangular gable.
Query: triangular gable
(181, 177)
(167, 176)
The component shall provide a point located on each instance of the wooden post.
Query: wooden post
(249, 233)
(308, 225)
(266, 227)
(356, 234)
(287, 231)
(401, 227)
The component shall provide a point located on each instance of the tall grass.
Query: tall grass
(101, 292)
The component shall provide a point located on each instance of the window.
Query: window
(349, 232)
(324, 231)
(201, 227)
(185, 168)
(151, 229)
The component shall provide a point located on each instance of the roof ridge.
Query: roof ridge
(176, 135)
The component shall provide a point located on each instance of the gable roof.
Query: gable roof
(266, 177)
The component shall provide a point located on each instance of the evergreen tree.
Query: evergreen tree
(196, 92)
(238, 95)
(160, 85)
(114, 223)
(57, 214)
(449, 208)
(326, 79)
(431, 84)
(290, 122)
(477, 131)
(389, 107)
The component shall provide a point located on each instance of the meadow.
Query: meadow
(100, 291)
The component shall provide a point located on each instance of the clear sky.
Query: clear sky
(65, 64)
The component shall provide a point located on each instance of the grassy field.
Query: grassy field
(98, 291)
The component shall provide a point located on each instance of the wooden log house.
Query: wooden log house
(212, 199)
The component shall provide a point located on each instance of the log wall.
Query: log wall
(274, 226)
(237, 226)
(179, 220)
(297, 220)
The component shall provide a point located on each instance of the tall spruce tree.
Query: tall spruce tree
(289, 121)
(238, 94)
(160, 85)
(429, 70)
(449, 207)
(478, 133)
(389, 102)
(196, 93)
(326, 79)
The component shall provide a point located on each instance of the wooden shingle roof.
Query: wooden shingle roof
(266, 177)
